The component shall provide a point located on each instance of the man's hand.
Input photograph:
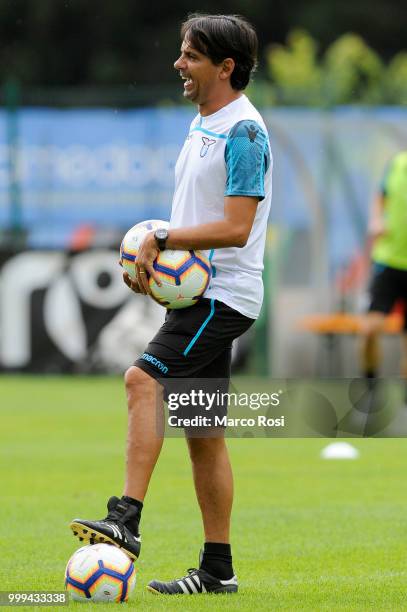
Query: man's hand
(377, 222)
(146, 256)
(377, 228)
(132, 284)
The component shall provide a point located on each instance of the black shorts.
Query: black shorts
(191, 356)
(194, 342)
(388, 286)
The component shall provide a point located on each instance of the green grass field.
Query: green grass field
(307, 534)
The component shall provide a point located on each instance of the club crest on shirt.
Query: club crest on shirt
(207, 142)
(251, 132)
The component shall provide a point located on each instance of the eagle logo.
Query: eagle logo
(207, 142)
(251, 132)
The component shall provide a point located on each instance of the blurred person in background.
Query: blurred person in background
(388, 243)
(221, 204)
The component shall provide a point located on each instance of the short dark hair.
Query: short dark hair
(222, 36)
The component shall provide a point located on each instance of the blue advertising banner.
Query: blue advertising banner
(100, 167)
(109, 168)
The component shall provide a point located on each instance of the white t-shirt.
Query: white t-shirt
(225, 154)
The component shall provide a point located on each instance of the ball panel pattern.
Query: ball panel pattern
(185, 275)
(100, 572)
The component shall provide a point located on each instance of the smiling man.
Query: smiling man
(221, 205)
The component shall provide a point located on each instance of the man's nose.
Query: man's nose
(179, 63)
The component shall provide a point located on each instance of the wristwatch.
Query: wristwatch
(161, 236)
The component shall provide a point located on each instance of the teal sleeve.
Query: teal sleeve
(247, 158)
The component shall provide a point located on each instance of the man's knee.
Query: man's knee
(135, 380)
(206, 449)
(372, 324)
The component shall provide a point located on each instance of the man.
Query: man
(388, 233)
(221, 204)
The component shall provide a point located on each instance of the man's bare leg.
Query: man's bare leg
(213, 481)
(214, 489)
(370, 352)
(121, 525)
(404, 363)
(404, 356)
(145, 413)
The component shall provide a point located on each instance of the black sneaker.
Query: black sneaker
(197, 581)
(114, 529)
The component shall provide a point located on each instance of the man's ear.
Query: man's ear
(228, 66)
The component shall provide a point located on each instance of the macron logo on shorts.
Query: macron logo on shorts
(155, 362)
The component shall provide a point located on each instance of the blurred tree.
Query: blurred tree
(133, 43)
(349, 72)
(395, 82)
(352, 72)
(261, 93)
(382, 23)
(294, 70)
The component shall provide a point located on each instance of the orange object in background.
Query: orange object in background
(347, 323)
(82, 238)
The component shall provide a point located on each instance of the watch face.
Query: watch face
(161, 233)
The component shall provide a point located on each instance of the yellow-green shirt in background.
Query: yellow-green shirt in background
(391, 248)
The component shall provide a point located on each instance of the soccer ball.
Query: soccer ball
(132, 241)
(185, 275)
(100, 573)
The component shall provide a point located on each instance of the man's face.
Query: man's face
(200, 74)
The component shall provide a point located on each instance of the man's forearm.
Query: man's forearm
(377, 219)
(219, 234)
